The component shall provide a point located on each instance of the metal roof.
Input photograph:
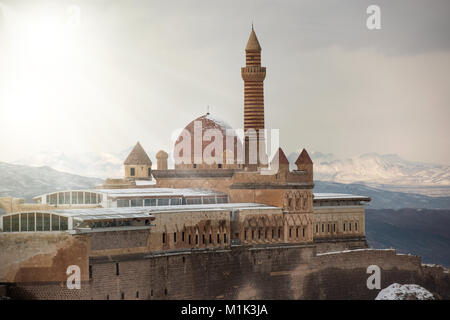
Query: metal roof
(339, 196)
(88, 214)
(147, 192)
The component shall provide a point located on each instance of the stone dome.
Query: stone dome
(209, 126)
(162, 155)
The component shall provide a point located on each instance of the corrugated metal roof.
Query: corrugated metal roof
(339, 196)
(86, 214)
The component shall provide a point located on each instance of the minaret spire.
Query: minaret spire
(253, 75)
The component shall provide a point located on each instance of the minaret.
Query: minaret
(253, 75)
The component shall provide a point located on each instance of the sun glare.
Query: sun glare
(41, 52)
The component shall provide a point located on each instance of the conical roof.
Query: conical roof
(253, 43)
(281, 157)
(303, 158)
(138, 156)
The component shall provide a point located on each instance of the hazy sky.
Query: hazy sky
(137, 70)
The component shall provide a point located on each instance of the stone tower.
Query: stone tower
(253, 75)
(161, 160)
(138, 165)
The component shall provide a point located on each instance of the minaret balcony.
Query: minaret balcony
(253, 73)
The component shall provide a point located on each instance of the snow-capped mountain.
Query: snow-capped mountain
(375, 169)
(99, 165)
(27, 182)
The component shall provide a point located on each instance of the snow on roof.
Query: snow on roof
(339, 196)
(145, 182)
(354, 250)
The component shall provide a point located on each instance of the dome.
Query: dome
(162, 155)
(209, 126)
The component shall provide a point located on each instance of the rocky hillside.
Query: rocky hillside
(421, 232)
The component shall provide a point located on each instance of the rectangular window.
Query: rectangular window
(290, 232)
(136, 202)
(175, 201)
(317, 228)
(117, 269)
(196, 239)
(273, 233)
(163, 202)
(218, 238)
(60, 198)
(93, 198)
(356, 226)
(90, 272)
(175, 237)
(350, 226)
(39, 222)
(80, 198)
(209, 200)
(46, 222)
(189, 239)
(132, 172)
(64, 224)
(15, 222)
(322, 227)
(344, 226)
(7, 224)
(30, 221)
(210, 237)
(150, 202)
(279, 233)
(123, 203)
(164, 237)
(222, 199)
(53, 198)
(23, 222)
(66, 197)
(334, 227)
(328, 227)
(149, 172)
(224, 238)
(87, 198)
(74, 198)
(203, 239)
(296, 232)
(303, 232)
(245, 236)
(193, 201)
(182, 236)
(55, 222)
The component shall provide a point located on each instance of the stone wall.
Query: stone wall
(41, 256)
(284, 272)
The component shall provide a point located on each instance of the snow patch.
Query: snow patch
(404, 292)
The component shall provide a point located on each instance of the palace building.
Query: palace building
(224, 206)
